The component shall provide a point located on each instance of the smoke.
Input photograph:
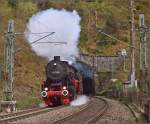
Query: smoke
(80, 100)
(66, 28)
(42, 105)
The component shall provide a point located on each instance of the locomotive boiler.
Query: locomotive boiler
(63, 83)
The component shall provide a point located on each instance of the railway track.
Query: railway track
(24, 114)
(88, 115)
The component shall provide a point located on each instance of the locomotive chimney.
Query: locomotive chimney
(57, 58)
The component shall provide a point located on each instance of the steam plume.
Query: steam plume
(80, 100)
(66, 26)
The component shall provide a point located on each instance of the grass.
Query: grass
(28, 102)
(29, 68)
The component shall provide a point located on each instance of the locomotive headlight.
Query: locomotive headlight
(55, 64)
(65, 92)
(64, 87)
(44, 94)
(46, 89)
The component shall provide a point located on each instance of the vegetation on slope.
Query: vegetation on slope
(109, 15)
(29, 68)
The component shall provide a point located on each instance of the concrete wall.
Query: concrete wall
(102, 63)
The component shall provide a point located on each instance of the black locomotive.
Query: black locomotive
(63, 83)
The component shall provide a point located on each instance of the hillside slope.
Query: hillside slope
(29, 68)
(109, 15)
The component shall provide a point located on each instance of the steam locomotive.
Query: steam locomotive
(63, 83)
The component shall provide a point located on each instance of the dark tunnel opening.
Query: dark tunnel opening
(87, 78)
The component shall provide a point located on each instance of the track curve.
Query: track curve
(90, 114)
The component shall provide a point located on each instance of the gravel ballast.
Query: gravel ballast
(117, 113)
(50, 117)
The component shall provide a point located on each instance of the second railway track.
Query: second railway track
(89, 115)
(4, 119)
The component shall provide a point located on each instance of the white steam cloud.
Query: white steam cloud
(66, 28)
(80, 100)
(42, 105)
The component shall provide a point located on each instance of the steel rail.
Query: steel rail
(25, 114)
(70, 116)
(100, 114)
(93, 119)
(18, 113)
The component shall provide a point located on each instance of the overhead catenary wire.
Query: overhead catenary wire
(38, 34)
(42, 38)
(36, 41)
(52, 42)
(114, 38)
(34, 33)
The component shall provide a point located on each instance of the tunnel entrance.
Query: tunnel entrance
(87, 78)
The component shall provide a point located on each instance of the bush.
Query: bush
(26, 8)
(13, 3)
